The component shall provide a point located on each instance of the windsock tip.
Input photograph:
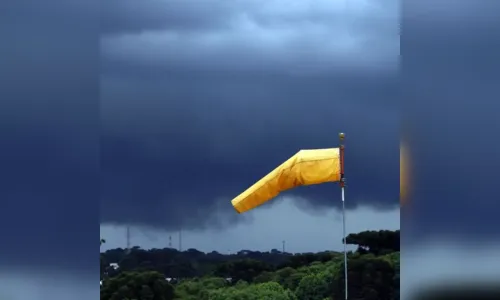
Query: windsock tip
(237, 210)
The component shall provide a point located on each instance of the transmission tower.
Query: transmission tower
(128, 237)
(180, 240)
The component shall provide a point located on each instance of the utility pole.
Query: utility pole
(170, 241)
(283, 246)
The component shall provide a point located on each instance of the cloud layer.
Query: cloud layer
(199, 102)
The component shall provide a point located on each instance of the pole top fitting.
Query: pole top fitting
(341, 136)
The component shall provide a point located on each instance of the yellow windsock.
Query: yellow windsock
(307, 167)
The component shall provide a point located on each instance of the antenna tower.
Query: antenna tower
(128, 237)
(180, 240)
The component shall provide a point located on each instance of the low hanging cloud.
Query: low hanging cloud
(199, 102)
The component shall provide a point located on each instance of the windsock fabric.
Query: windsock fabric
(307, 167)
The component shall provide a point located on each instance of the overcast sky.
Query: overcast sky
(200, 99)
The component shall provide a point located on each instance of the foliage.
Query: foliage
(261, 291)
(161, 274)
(315, 286)
(375, 242)
(137, 285)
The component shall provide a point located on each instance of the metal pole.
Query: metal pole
(180, 239)
(128, 238)
(345, 242)
(342, 186)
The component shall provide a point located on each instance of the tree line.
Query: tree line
(167, 274)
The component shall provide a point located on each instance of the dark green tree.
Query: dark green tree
(370, 278)
(376, 242)
(261, 291)
(314, 286)
(165, 274)
(137, 285)
(246, 269)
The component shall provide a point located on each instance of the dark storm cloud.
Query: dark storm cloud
(139, 16)
(49, 134)
(450, 78)
(198, 154)
(192, 118)
(132, 16)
